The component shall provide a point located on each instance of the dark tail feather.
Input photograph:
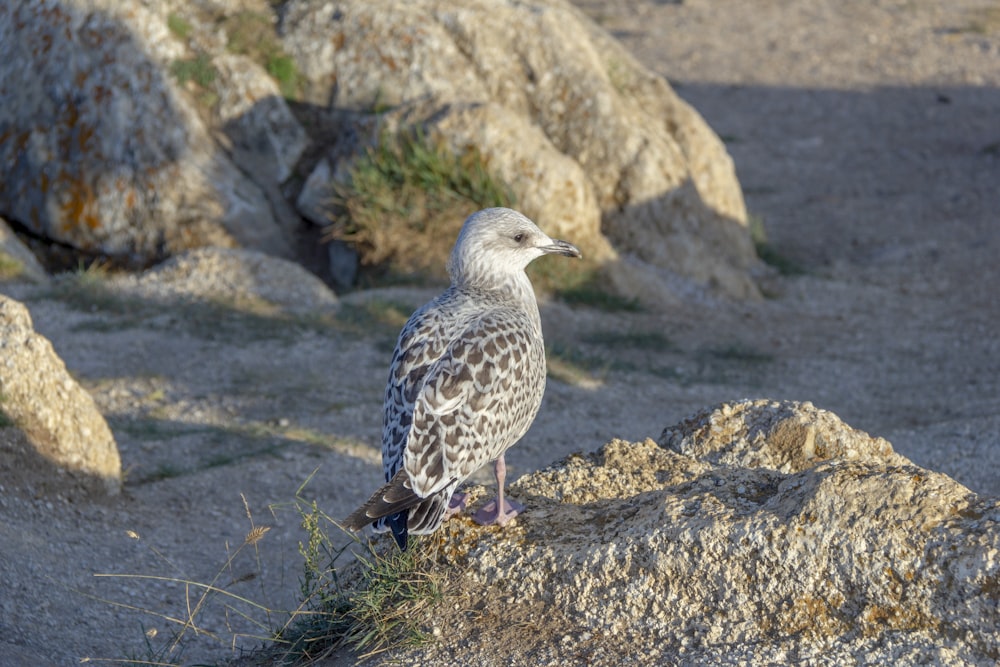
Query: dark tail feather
(397, 522)
(392, 499)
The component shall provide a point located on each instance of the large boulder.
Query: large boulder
(752, 531)
(538, 87)
(57, 418)
(102, 150)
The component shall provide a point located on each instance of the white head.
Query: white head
(496, 244)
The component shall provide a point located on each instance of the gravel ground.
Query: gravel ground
(866, 136)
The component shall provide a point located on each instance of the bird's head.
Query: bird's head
(497, 243)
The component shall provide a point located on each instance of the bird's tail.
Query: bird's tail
(395, 506)
(394, 497)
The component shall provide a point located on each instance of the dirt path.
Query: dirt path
(866, 137)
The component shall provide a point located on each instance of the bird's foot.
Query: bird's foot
(488, 514)
(455, 505)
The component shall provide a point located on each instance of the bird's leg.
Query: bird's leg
(498, 511)
(455, 505)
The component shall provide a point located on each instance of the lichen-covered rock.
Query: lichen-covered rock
(58, 417)
(265, 137)
(99, 150)
(763, 529)
(644, 162)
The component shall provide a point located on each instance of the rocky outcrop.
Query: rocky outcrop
(100, 149)
(595, 146)
(57, 417)
(754, 530)
(144, 129)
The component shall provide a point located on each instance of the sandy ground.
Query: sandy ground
(867, 138)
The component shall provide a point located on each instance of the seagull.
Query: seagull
(465, 382)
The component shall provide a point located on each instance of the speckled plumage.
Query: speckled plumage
(467, 375)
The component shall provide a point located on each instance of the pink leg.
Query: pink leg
(498, 511)
(455, 505)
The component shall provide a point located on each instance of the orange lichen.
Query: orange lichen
(78, 207)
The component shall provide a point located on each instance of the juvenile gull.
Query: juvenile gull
(466, 379)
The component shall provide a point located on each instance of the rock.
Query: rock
(313, 202)
(232, 276)
(59, 419)
(539, 89)
(101, 151)
(550, 186)
(760, 529)
(266, 139)
(784, 436)
(17, 262)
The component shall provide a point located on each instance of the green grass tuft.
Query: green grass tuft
(370, 608)
(406, 199)
(363, 597)
(199, 70)
(178, 25)
(10, 267)
(252, 34)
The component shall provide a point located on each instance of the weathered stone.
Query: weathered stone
(58, 417)
(762, 529)
(313, 202)
(266, 139)
(550, 186)
(542, 84)
(101, 151)
(234, 276)
(784, 436)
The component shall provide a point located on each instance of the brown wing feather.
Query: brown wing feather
(393, 497)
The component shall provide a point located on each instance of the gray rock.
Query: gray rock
(314, 199)
(646, 165)
(233, 276)
(101, 151)
(58, 418)
(762, 529)
(267, 140)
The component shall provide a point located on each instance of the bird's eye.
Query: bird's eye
(519, 237)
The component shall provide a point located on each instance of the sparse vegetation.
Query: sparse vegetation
(10, 267)
(766, 251)
(353, 595)
(376, 316)
(198, 70)
(646, 340)
(372, 609)
(587, 289)
(250, 317)
(252, 34)
(406, 199)
(984, 20)
(178, 25)
(570, 365)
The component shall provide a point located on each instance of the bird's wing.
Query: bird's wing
(421, 344)
(469, 408)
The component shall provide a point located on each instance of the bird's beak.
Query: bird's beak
(558, 247)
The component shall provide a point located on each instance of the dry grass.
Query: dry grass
(363, 597)
(406, 200)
